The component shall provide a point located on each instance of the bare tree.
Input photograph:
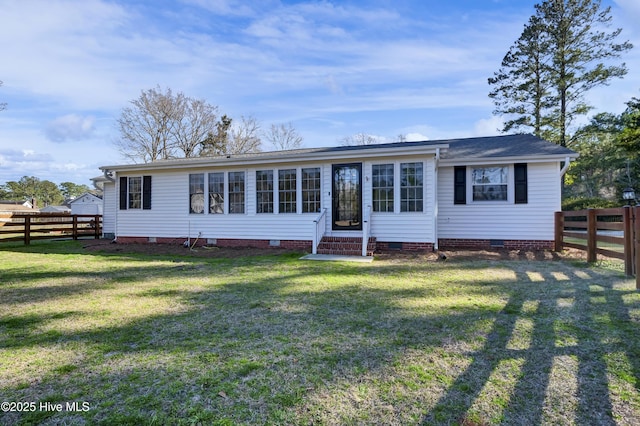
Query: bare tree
(358, 139)
(198, 118)
(161, 125)
(283, 136)
(244, 137)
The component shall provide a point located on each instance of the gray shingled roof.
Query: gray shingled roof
(463, 149)
(523, 145)
(503, 146)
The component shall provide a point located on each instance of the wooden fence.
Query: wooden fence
(41, 226)
(618, 228)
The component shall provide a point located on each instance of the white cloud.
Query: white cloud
(416, 137)
(488, 126)
(16, 163)
(71, 127)
(14, 156)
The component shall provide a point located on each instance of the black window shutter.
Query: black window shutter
(460, 185)
(146, 192)
(520, 183)
(123, 193)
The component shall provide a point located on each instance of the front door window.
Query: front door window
(347, 197)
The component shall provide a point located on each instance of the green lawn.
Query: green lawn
(134, 339)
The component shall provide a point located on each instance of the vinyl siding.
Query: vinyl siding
(109, 199)
(502, 220)
(169, 216)
(406, 226)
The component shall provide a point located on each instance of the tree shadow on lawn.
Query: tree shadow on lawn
(567, 323)
(260, 350)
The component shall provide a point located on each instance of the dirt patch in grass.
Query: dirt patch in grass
(107, 246)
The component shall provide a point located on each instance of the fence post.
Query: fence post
(592, 232)
(75, 227)
(636, 237)
(559, 230)
(96, 225)
(627, 216)
(27, 230)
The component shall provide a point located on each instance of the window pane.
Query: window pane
(495, 175)
(135, 192)
(236, 192)
(411, 187)
(490, 192)
(264, 191)
(311, 190)
(196, 193)
(287, 190)
(216, 193)
(489, 183)
(382, 185)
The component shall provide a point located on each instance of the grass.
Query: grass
(275, 340)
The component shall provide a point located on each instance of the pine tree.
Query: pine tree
(521, 86)
(567, 46)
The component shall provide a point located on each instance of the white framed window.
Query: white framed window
(411, 187)
(216, 193)
(311, 190)
(490, 183)
(135, 192)
(382, 186)
(236, 192)
(264, 191)
(287, 190)
(196, 193)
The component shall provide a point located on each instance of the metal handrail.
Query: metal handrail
(366, 227)
(319, 228)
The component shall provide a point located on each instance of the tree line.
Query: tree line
(45, 192)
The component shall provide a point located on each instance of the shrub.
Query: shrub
(579, 203)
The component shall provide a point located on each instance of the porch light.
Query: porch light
(628, 194)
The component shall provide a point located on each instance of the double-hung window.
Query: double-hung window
(236, 192)
(411, 187)
(311, 190)
(216, 193)
(287, 190)
(382, 187)
(135, 192)
(264, 191)
(196, 193)
(489, 183)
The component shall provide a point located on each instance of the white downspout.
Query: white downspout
(435, 205)
(116, 189)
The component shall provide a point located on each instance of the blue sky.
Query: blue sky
(332, 68)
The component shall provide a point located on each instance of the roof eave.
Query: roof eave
(469, 161)
(292, 158)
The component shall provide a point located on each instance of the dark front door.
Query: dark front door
(347, 197)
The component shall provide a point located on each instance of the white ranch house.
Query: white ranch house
(461, 193)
